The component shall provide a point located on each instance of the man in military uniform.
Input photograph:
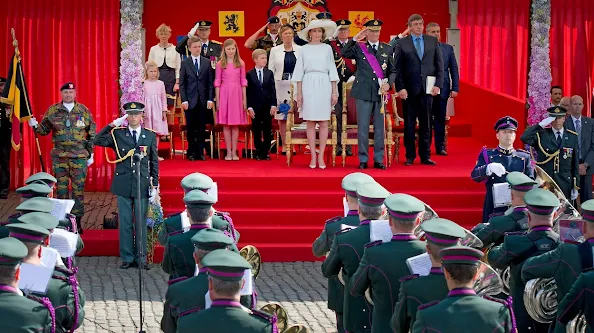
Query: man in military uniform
(566, 261)
(462, 310)
(270, 40)
(73, 131)
(128, 143)
(517, 247)
(384, 264)
(579, 299)
(557, 150)
(321, 246)
(347, 249)
(417, 290)
(375, 70)
(226, 314)
(18, 313)
(514, 219)
(493, 163)
(5, 145)
(211, 49)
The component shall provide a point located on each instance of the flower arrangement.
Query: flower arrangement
(131, 62)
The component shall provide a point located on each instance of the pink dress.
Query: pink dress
(155, 102)
(230, 80)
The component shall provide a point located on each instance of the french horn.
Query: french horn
(489, 283)
(577, 325)
(252, 255)
(566, 211)
(282, 319)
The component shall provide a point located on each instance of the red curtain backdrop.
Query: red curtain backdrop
(494, 44)
(61, 41)
(572, 46)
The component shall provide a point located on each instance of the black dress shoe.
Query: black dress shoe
(362, 166)
(266, 158)
(379, 165)
(409, 162)
(191, 158)
(201, 158)
(442, 152)
(428, 162)
(126, 265)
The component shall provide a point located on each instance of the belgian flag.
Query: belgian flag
(16, 95)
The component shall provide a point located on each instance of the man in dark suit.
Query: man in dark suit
(261, 102)
(584, 127)
(416, 58)
(197, 94)
(440, 102)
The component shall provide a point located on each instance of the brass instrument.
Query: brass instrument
(577, 325)
(282, 319)
(489, 283)
(566, 210)
(252, 255)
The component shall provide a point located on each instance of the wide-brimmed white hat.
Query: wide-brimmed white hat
(328, 25)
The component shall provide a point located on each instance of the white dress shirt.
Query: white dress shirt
(68, 106)
(137, 130)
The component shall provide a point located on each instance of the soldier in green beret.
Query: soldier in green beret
(514, 219)
(462, 310)
(579, 299)
(384, 264)
(417, 290)
(226, 314)
(347, 249)
(566, 261)
(517, 247)
(18, 313)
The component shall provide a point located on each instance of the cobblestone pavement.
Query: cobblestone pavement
(112, 295)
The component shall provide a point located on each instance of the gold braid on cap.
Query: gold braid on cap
(130, 153)
(554, 155)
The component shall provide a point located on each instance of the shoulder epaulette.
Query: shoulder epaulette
(410, 277)
(588, 270)
(334, 219)
(263, 315)
(514, 233)
(424, 306)
(216, 42)
(172, 215)
(339, 232)
(150, 129)
(572, 132)
(188, 311)
(372, 244)
(176, 280)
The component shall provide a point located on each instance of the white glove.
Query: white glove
(153, 195)
(120, 120)
(495, 168)
(574, 194)
(90, 161)
(193, 31)
(546, 122)
(33, 122)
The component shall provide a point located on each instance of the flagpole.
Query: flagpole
(15, 43)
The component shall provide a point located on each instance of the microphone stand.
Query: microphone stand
(139, 235)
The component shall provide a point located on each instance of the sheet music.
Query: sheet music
(430, 83)
(50, 257)
(35, 278)
(420, 264)
(247, 284)
(64, 242)
(61, 208)
(345, 206)
(185, 221)
(207, 300)
(501, 195)
(380, 230)
(214, 191)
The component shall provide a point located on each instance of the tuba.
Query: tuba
(252, 255)
(282, 319)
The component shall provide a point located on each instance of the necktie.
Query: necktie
(196, 66)
(260, 76)
(558, 139)
(134, 137)
(204, 48)
(418, 47)
(578, 129)
(374, 48)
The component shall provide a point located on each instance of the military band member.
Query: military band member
(493, 163)
(126, 142)
(211, 49)
(384, 264)
(347, 249)
(462, 310)
(5, 144)
(18, 313)
(226, 314)
(73, 130)
(514, 219)
(517, 247)
(417, 290)
(270, 40)
(579, 299)
(557, 150)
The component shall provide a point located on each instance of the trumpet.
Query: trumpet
(282, 319)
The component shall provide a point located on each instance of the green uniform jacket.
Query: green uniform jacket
(494, 231)
(173, 226)
(415, 291)
(346, 253)
(321, 247)
(22, 315)
(227, 317)
(579, 298)
(382, 267)
(514, 251)
(464, 312)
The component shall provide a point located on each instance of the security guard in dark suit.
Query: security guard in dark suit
(493, 163)
(517, 247)
(579, 299)
(557, 150)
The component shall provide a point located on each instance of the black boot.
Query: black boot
(79, 225)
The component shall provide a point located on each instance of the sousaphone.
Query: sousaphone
(282, 319)
(252, 255)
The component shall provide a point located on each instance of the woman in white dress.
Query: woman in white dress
(316, 77)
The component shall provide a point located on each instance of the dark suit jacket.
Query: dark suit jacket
(587, 139)
(214, 48)
(412, 72)
(260, 96)
(450, 67)
(194, 88)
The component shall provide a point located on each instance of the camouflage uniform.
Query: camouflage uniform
(72, 134)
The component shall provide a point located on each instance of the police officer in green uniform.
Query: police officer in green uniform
(517, 247)
(18, 313)
(462, 311)
(557, 150)
(73, 131)
(384, 264)
(226, 314)
(347, 249)
(270, 40)
(566, 261)
(126, 143)
(417, 290)
(514, 219)
(321, 246)
(580, 298)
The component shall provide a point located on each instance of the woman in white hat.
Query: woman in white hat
(316, 77)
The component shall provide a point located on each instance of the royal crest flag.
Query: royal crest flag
(231, 24)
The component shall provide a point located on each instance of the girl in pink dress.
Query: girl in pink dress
(155, 101)
(230, 84)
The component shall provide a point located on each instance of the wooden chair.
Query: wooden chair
(217, 129)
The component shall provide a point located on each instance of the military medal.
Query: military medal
(142, 150)
(353, 62)
(384, 66)
(67, 122)
(213, 62)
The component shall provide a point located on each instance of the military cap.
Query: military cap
(343, 24)
(12, 251)
(225, 265)
(27, 233)
(204, 24)
(198, 199)
(557, 111)
(67, 85)
(374, 25)
(34, 190)
(273, 19)
(2, 79)
(588, 210)
(211, 239)
(541, 202)
(38, 204)
(520, 182)
(442, 232)
(44, 220)
(404, 207)
(352, 180)
(133, 107)
(505, 123)
(460, 255)
(196, 181)
(372, 194)
(41, 176)
(324, 16)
